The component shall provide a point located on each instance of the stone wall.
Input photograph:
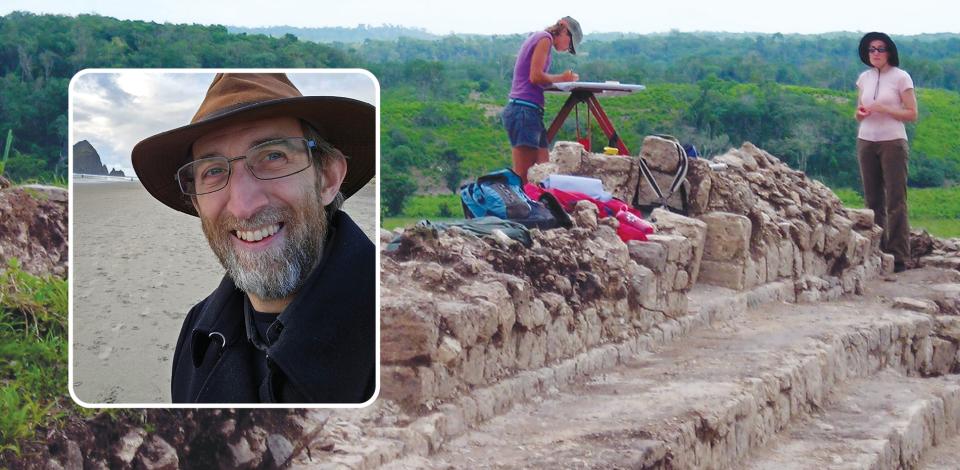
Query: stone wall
(767, 222)
(459, 312)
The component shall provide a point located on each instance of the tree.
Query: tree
(450, 165)
(395, 188)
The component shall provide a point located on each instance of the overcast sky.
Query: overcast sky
(511, 16)
(116, 109)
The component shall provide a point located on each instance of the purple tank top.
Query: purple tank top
(522, 88)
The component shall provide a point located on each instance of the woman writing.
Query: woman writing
(523, 115)
(885, 101)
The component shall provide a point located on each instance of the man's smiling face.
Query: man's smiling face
(268, 234)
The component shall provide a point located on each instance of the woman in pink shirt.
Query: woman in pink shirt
(885, 101)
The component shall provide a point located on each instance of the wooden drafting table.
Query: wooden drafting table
(587, 92)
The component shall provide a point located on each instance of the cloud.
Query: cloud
(116, 109)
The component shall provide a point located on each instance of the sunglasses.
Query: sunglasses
(878, 50)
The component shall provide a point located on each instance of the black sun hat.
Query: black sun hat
(347, 124)
(892, 57)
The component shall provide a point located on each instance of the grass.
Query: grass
(434, 207)
(937, 210)
(33, 354)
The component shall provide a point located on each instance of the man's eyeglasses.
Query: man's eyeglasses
(877, 50)
(266, 161)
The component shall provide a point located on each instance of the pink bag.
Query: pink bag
(632, 225)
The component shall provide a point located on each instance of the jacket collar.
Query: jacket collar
(326, 319)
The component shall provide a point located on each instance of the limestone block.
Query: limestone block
(474, 365)
(502, 292)
(567, 156)
(755, 272)
(772, 262)
(498, 360)
(947, 298)
(731, 274)
(553, 301)
(886, 263)
(676, 304)
(857, 249)
(797, 262)
(409, 386)
(692, 229)
(533, 316)
(445, 381)
(813, 264)
(408, 329)
(669, 276)
(670, 243)
(818, 237)
(618, 173)
(449, 351)
(469, 322)
(727, 237)
(862, 219)
(875, 234)
(700, 177)
(753, 157)
(652, 255)
(916, 305)
(837, 235)
(786, 251)
(590, 326)
(525, 345)
(802, 234)
(731, 159)
(660, 154)
(682, 281)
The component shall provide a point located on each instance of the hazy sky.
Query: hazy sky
(511, 16)
(116, 109)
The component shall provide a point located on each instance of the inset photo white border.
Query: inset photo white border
(138, 266)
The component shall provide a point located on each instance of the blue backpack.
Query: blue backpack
(499, 194)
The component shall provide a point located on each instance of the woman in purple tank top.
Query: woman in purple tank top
(523, 115)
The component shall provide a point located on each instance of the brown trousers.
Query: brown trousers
(883, 168)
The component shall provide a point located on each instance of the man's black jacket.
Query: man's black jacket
(325, 351)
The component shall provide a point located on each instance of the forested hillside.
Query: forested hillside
(790, 94)
(338, 34)
(40, 53)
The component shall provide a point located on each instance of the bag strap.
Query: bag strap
(678, 179)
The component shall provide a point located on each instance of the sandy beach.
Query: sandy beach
(139, 267)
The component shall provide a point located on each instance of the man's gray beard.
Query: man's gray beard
(280, 271)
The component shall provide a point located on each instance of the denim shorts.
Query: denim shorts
(525, 126)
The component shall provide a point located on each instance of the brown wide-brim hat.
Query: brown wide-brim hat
(345, 123)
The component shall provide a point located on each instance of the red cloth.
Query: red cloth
(632, 226)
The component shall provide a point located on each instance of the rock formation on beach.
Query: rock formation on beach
(86, 160)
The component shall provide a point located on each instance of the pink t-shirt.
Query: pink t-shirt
(883, 88)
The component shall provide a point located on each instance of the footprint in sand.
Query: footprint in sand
(105, 352)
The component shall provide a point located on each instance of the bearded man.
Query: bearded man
(266, 170)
